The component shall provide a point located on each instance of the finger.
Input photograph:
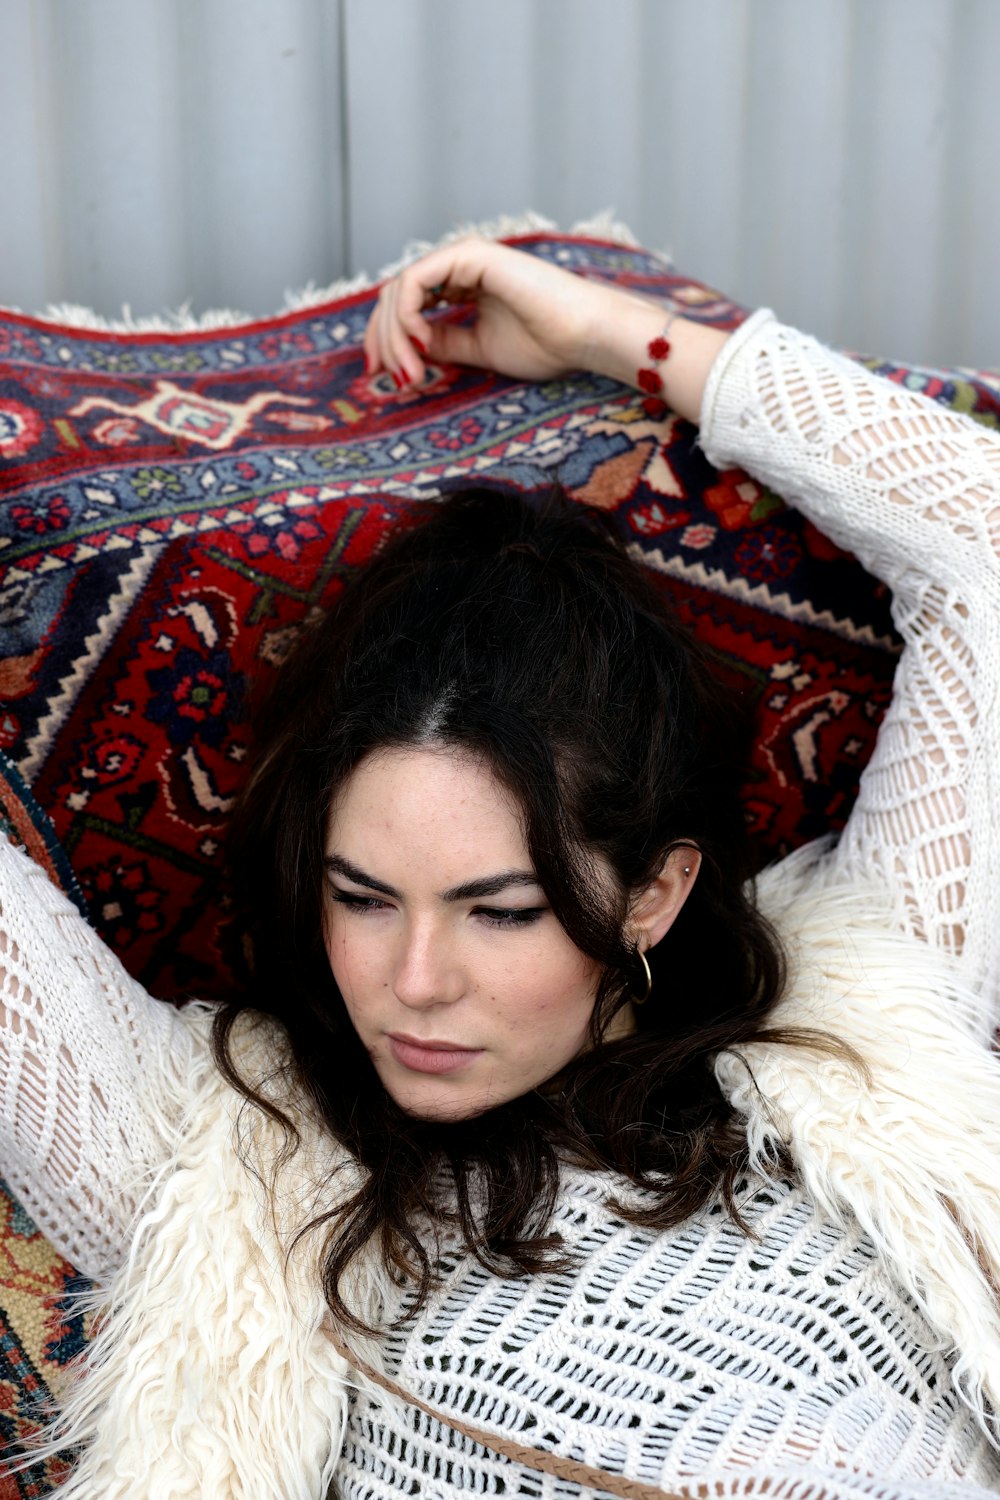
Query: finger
(389, 352)
(405, 337)
(457, 345)
(399, 354)
(433, 339)
(451, 273)
(390, 344)
(370, 343)
(419, 332)
(378, 336)
(385, 316)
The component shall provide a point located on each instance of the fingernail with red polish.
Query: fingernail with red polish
(421, 347)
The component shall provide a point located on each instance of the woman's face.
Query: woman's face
(458, 978)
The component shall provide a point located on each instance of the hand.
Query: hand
(532, 319)
(533, 322)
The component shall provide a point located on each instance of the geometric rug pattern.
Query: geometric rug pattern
(173, 507)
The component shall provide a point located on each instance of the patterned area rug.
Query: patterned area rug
(41, 1332)
(174, 506)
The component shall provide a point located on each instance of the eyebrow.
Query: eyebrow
(470, 890)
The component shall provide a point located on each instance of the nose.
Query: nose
(427, 969)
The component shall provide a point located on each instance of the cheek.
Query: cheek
(554, 994)
(351, 959)
(334, 940)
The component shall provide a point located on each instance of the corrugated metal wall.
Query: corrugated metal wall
(836, 158)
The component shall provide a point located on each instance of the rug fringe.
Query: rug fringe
(174, 320)
(603, 225)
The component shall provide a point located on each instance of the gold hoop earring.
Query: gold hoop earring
(641, 999)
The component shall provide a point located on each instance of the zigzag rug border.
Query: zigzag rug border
(61, 702)
(759, 595)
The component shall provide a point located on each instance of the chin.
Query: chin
(442, 1110)
(447, 1112)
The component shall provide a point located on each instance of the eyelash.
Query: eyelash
(494, 916)
(359, 903)
(516, 916)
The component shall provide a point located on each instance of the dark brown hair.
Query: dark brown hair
(524, 633)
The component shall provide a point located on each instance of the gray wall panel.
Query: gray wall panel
(441, 106)
(31, 245)
(262, 147)
(835, 158)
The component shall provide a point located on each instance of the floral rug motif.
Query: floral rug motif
(174, 505)
(41, 1333)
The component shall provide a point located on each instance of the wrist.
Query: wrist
(621, 326)
(621, 330)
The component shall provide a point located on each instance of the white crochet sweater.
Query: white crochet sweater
(852, 1348)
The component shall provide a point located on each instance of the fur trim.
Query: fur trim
(910, 1151)
(182, 320)
(212, 1373)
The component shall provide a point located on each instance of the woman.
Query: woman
(548, 1258)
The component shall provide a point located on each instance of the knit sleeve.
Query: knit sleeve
(91, 1069)
(913, 489)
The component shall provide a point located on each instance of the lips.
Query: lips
(430, 1057)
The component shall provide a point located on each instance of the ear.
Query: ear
(654, 908)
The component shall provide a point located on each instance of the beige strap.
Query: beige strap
(519, 1453)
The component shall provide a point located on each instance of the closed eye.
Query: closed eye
(514, 916)
(360, 904)
(493, 916)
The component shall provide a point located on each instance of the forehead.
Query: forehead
(427, 812)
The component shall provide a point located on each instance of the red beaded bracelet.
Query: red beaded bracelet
(647, 377)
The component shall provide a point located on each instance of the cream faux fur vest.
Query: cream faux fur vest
(212, 1375)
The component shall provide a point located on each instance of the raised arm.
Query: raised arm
(88, 1063)
(910, 487)
(914, 490)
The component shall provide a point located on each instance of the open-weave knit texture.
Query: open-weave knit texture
(211, 1373)
(792, 1365)
(673, 1359)
(916, 495)
(698, 1356)
(91, 1071)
